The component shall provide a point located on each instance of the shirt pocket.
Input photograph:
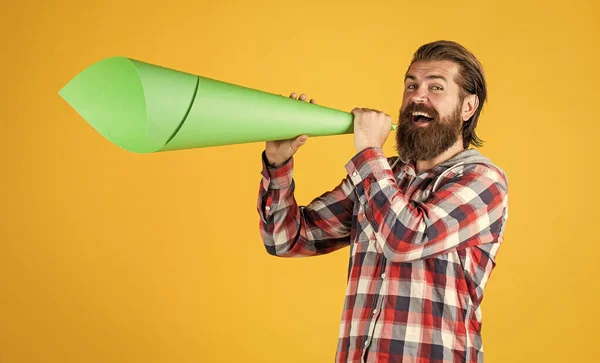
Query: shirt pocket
(361, 227)
(365, 239)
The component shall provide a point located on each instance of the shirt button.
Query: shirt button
(354, 174)
(268, 208)
(366, 343)
(374, 311)
(383, 276)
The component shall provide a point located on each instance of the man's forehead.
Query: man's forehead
(419, 70)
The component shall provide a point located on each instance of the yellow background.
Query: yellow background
(110, 256)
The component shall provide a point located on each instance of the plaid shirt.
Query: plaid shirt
(422, 247)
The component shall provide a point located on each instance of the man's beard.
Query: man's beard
(425, 143)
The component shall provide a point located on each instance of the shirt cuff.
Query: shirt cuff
(369, 163)
(277, 177)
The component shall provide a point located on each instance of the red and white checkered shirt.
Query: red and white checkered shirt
(422, 247)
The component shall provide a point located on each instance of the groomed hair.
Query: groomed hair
(470, 79)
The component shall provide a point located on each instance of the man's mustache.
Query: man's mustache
(418, 107)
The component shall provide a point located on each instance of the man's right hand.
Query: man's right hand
(280, 151)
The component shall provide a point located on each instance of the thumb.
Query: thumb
(299, 141)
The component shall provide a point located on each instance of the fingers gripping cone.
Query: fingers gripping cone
(145, 108)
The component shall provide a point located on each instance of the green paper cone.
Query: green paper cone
(146, 108)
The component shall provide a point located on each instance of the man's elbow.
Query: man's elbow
(280, 249)
(402, 252)
(276, 252)
(395, 256)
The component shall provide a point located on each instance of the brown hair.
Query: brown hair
(471, 79)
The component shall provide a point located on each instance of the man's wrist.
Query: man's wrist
(273, 165)
(365, 147)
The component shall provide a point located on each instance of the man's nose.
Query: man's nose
(420, 95)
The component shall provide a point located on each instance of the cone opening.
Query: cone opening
(135, 105)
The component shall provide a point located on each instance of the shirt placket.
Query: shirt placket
(382, 284)
(407, 175)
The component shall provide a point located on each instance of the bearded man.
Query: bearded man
(423, 227)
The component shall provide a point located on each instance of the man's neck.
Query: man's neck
(423, 165)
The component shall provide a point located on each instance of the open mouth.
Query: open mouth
(421, 118)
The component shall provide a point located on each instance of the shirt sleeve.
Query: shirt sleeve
(467, 210)
(290, 230)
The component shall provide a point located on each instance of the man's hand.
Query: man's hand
(278, 152)
(371, 128)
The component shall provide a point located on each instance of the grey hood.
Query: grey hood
(462, 159)
(467, 157)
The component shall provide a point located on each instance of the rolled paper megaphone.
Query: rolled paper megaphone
(146, 108)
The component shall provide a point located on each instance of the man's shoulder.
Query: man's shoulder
(487, 170)
(473, 162)
(471, 167)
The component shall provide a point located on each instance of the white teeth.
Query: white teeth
(421, 114)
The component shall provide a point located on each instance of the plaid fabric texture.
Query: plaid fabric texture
(422, 248)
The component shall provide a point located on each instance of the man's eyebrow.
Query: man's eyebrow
(436, 76)
(433, 76)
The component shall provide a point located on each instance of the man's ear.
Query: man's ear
(470, 104)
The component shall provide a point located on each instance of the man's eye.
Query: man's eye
(437, 88)
(411, 86)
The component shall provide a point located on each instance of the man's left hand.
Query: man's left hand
(371, 128)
